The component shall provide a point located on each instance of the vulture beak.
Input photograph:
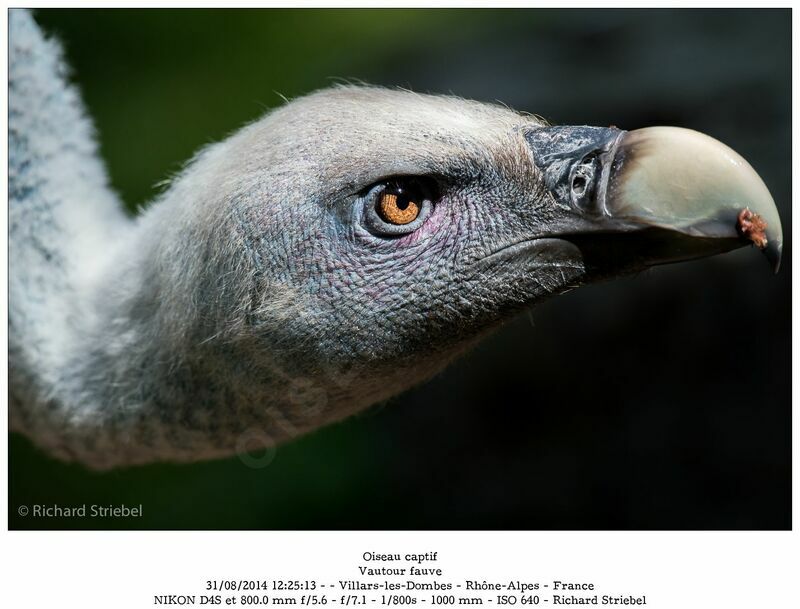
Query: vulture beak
(653, 196)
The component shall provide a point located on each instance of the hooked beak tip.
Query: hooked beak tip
(688, 182)
(753, 228)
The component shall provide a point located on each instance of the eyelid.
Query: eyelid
(385, 181)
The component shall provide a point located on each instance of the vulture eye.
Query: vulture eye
(396, 205)
(399, 206)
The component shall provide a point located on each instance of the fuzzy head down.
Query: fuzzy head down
(278, 277)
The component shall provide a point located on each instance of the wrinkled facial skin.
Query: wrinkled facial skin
(444, 282)
(335, 296)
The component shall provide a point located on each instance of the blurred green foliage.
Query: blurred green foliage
(162, 83)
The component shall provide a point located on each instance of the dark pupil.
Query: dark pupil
(404, 198)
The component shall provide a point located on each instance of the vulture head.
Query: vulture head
(364, 236)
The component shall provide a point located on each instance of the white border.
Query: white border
(125, 569)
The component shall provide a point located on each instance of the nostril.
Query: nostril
(583, 180)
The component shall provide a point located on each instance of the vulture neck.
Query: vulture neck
(114, 354)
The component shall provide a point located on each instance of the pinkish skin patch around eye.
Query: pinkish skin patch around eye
(752, 227)
(431, 225)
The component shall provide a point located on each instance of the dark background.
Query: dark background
(659, 401)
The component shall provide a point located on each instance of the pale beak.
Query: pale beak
(653, 196)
